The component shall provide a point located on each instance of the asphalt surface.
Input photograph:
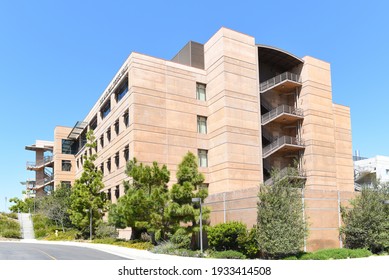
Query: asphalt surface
(35, 251)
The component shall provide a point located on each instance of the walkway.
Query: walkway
(26, 226)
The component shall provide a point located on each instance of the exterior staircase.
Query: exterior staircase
(25, 220)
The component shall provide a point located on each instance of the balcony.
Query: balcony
(284, 82)
(290, 173)
(283, 144)
(46, 161)
(283, 114)
(44, 182)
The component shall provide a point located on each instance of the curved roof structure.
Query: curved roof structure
(274, 56)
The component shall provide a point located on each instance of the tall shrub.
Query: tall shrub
(281, 228)
(366, 222)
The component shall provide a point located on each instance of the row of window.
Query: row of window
(116, 193)
(120, 92)
(116, 160)
(116, 128)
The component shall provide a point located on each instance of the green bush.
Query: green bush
(181, 239)
(291, 258)
(43, 226)
(68, 235)
(335, 254)
(228, 236)
(251, 248)
(134, 244)
(104, 230)
(9, 227)
(11, 215)
(107, 240)
(169, 248)
(229, 254)
(365, 222)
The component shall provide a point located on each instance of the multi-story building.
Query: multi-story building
(243, 108)
(368, 171)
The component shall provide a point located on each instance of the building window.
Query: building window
(117, 192)
(66, 184)
(69, 147)
(93, 123)
(201, 92)
(109, 134)
(83, 139)
(102, 140)
(116, 125)
(387, 171)
(117, 159)
(109, 165)
(66, 165)
(126, 119)
(202, 125)
(126, 153)
(106, 109)
(122, 90)
(203, 158)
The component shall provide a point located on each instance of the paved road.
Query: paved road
(33, 251)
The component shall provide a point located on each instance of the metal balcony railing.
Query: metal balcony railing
(41, 163)
(282, 109)
(293, 173)
(279, 79)
(44, 181)
(279, 142)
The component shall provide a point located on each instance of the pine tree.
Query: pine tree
(143, 207)
(188, 186)
(86, 196)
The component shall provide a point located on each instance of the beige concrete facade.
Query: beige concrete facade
(257, 107)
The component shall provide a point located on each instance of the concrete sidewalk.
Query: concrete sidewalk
(112, 249)
(25, 221)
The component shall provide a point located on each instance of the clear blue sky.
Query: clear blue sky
(56, 58)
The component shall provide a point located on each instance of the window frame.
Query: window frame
(200, 154)
(202, 120)
(126, 119)
(105, 109)
(116, 127)
(66, 165)
(126, 153)
(199, 94)
(121, 90)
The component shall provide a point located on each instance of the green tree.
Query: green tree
(86, 196)
(189, 185)
(366, 222)
(281, 228)
(143, 207)
(56, 206)
(20, 205)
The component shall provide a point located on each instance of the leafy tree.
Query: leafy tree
(20, 205)
(86, 196)
(189, 185)
(281, 228)
(143, 207)
(366, 223)
(56, 206)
